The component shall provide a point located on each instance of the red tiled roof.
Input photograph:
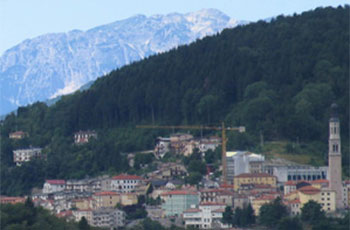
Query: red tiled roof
(309, 190)
(83, 210)
(218, 191)
(290, 182)
(266, 197)
(127, 177)
(227, 186)
(211, 204)
(179, 192)
(193, 210)
(211, 190)
(105, 193)
(303, 181)
(257, 186)
(250, 175)
(296, 201)
(55, 181)
(64, 214)
(320, 181)
(225, 192)
(18, 133)
(219, 210)
(240, 196)
(11, 199)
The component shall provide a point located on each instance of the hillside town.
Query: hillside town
(246, 179)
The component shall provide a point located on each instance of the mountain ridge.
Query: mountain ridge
(59, 63)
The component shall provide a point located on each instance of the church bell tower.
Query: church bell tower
(334, 156)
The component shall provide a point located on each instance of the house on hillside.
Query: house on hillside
(208, 144)
(208, 215)
(105, 199)
(18, 135)
(124, 183)
(250, 179)
(11, 200)
(162, 147)
(298, 198)
(80, 213)
(111, 218)
(217, 196)
(24, 155)
(83, 137)
(52, 186)
(84, 185)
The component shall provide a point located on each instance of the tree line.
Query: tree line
(275, 216)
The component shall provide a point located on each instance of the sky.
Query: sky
(25, 19)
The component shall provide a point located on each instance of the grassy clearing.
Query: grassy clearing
(278, 149)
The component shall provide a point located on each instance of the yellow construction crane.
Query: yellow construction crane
(223, 129)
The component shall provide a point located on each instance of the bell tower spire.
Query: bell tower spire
(334, 155)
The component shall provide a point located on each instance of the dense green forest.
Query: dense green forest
(277, 78)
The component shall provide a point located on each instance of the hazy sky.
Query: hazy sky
(22, 19)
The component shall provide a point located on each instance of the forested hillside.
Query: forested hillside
(276, 78)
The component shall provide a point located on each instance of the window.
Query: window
(335, 148)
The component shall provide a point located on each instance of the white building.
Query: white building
(208, 144)
(125, 183)
(206, 216)
(108, 218)
(243, 162)
(25, 155)
(162, 147)
(80, 213)
(289, 187)
(52, 186)
(82, 137)
(296, 172)
(84, 185)
(346, 194)
(18, 135)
